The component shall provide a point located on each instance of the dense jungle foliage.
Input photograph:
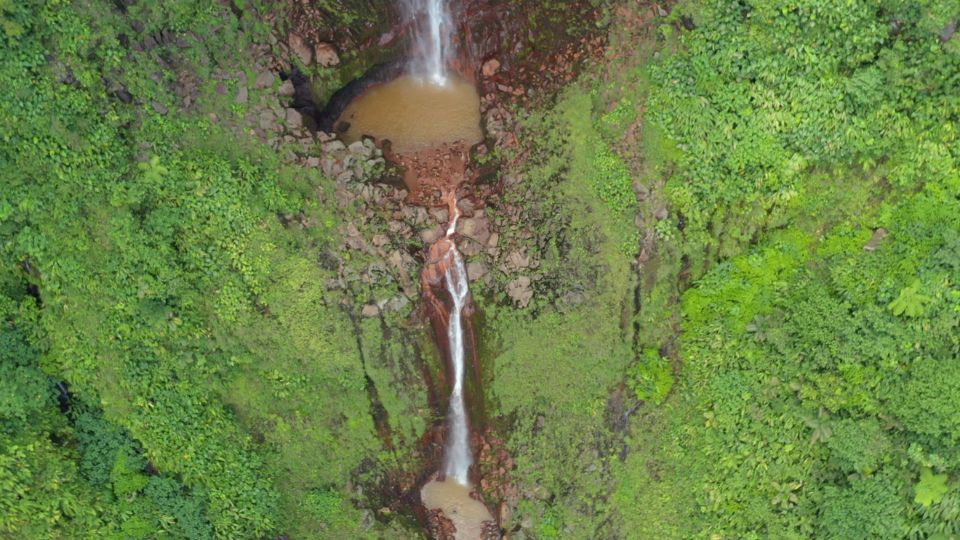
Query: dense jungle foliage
(746, 311)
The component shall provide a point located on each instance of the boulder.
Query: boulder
(476, 270)
(287, 89)
(491, 67)
(242, 95)
(517, 260)
(300, 49)
(520, 291)
(431, 235)
(469, 248)
(876, 239)
(326, 55)
(370, 310)
(267, 121)
(359, 148)
(334, 146)
(475, 228)
(294, 119)
(440, 215)
(264, 80)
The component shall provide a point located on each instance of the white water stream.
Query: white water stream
(432, 40)
(458, 458)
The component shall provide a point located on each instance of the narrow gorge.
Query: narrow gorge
(428, 117)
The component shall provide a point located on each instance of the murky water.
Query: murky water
(466, 513)
(416, 114)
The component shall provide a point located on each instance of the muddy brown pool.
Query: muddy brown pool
(467, 514)
(415, 114)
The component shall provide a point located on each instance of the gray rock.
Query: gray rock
(517, 261)
(476, 228)
(294, 119)
(333, 146)
(360, 149)
(267, 121)
(476, 270)
(440, 215)
(380, 240)
(431, 235)
(520, 291)
(242, 95)
(397, 303)
(300, 48)
(287, 89)
(220, 88)
(326, 55)
(876, 239)
(313, 162)
(160, 107)
(264, 80)
(469, 248)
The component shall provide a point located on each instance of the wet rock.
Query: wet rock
(520, 291)
(326, 55)
(300, 49)
(439, 526)
(294, 119)
(476, 270)
(287, 89)
(264, 80)
(370, 310)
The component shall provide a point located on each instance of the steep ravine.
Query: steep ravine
(409, 373)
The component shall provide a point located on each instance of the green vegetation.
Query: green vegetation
(215, 386)
(741, 230)
(787, 382)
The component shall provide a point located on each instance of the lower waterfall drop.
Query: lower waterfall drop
(457, 458)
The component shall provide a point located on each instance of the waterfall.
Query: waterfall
(431, 40)
(457, 458)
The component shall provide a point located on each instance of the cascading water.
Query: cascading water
(432, 40)
(457, 459)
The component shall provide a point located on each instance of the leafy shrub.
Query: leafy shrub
(869, 508)
(651, 378)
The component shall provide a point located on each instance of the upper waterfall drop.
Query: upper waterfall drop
(432, 39)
